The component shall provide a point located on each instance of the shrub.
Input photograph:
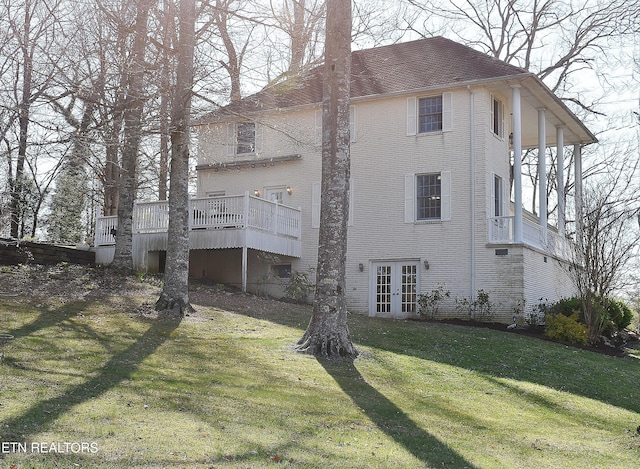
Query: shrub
(619, 314)
(566, 306)
(429, 303)
(566, 328)
(480, 309)
(298, 287)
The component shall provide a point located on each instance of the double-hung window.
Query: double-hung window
(428, 196)
(430, 114)
(243, 138)
(497, 117)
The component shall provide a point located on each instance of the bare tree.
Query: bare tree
(301, 21)
(175, 293)
(607, 242)
(328, 334)
(132, 116)
(32, 31)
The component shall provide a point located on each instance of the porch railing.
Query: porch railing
(501, 231)
(237, 212)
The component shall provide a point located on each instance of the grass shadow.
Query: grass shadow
(494, 353)
(120, 367)
(390, 419)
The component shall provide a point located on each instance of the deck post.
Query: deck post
(275, 218)
(244, 268)
(245, 222)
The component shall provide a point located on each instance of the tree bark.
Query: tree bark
(135, 101)
(24, 109)
(328, 334)
(174, 299)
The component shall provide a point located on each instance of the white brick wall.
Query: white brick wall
(381, 157)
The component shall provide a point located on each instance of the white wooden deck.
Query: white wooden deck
(241, 221)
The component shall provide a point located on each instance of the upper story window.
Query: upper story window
(430, 114)
(497, 117)
(243, 138)
(427, 197)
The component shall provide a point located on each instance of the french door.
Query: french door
(394, 288)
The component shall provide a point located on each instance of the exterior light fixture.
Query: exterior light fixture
(426, 264)
(289, 190)
(361, 267)
(256, 192)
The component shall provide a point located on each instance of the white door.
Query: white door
(394, 288)
(276, 194)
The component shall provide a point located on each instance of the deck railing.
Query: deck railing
(237, 212)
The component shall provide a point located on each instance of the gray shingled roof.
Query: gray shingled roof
(425, 63)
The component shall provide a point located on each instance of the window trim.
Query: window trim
(411, 198)
(438, 115)
(497, 123)
(413, 118)
(233, 129)
(498, 196)
(437, 207)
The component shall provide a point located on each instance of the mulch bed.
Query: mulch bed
(633, 340)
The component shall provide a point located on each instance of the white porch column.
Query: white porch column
(542, 173)
(577, 158)
(560, 179)
(517, 163)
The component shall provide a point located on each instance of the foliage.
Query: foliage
(480, 309)
(429, 303)
(538, 313)
(567, 328)
(298, 287)
(566, 306)
(619, 314)
(609, 315)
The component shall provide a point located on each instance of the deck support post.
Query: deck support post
(244, 268)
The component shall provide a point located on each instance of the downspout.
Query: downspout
(472, 150)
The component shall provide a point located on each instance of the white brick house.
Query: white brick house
(434, 125)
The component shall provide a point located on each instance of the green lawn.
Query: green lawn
(223, 388)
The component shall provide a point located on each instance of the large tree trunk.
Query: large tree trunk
(328, 333)
(122, 259)
(174, 299)
(17, 188)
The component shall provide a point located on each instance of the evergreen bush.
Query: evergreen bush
(566, 328)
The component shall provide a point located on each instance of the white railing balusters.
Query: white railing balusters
(237, 212)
